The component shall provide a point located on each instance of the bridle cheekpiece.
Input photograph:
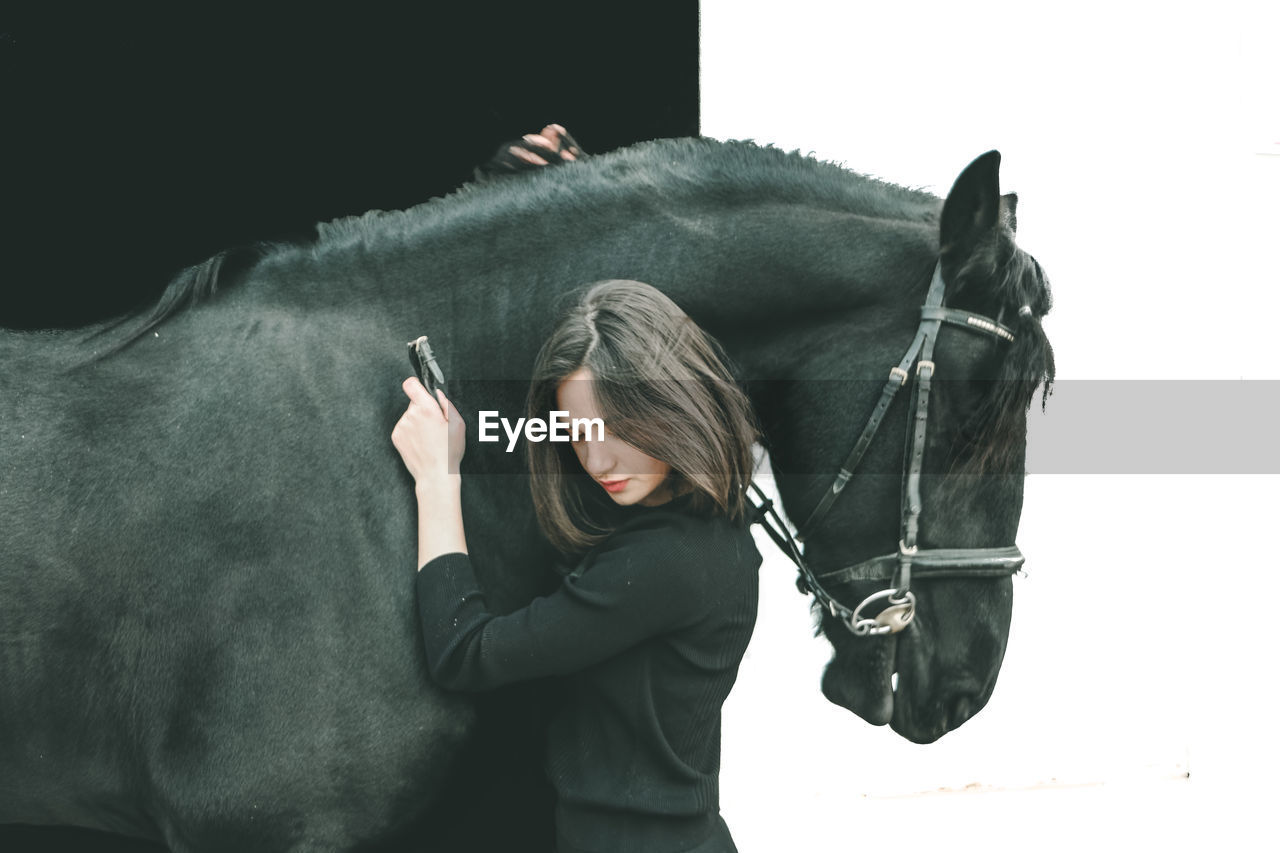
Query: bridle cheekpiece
(897, 568)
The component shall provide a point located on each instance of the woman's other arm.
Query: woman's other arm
(645, 582)
(552, 146)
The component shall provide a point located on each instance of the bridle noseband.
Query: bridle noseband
(897, 568)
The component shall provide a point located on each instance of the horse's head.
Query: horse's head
(941, 668)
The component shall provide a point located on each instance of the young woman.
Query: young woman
(654, 619)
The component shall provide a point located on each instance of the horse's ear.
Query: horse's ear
(972, 208)
(1009, 211)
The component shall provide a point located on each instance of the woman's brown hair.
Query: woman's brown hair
(662, 385)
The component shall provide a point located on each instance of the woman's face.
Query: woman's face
(625, 473)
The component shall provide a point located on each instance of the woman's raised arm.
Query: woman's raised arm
(431, 438)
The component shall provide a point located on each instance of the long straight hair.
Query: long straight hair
(662, 385)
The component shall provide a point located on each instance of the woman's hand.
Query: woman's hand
(553, 146)
(430, 442)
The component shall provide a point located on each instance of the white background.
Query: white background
(1144, 142)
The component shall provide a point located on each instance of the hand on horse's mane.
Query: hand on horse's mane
(553, 146)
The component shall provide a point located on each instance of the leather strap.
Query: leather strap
(897, 379)
(965, 320)
(764, 512)
(934, 563)
(917, 426)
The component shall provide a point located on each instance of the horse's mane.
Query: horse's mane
(694, 170)
(691, 170)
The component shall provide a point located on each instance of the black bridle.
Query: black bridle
(909, 560)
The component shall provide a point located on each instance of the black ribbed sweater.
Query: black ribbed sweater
(652, 623)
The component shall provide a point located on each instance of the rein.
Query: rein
(897, 568)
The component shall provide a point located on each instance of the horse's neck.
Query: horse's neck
(828, 280)
(757, 274)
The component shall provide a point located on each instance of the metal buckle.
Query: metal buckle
(907, 550)
(922, 364)
(898, 373)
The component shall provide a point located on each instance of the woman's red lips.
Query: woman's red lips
(614, 485)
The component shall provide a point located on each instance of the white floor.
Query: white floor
(1134, 700)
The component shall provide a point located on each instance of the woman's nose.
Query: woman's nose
(596, 460)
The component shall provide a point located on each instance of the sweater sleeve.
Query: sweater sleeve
(640, 586)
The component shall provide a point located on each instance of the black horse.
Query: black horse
(206, 614)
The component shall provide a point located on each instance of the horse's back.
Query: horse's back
(204, 478)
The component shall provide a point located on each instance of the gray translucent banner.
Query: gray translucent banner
(1156, 427)
(1088, 426)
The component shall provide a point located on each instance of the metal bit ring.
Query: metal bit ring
(903, 607)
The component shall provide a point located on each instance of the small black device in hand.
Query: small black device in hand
(424, 365)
